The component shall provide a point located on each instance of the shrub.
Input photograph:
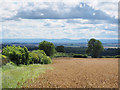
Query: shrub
(117, 56)
(46, 60)
(60, 54)
(39, 56)
(80, 56)
(109, 56)
(102, 57)
(39, 52)
(3, 60)
(33, 58)
(48, 48)
(16, 54)
(20, 55)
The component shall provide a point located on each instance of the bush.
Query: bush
(20, 55)
(102, 57)
(59, 54)
(17, 55)
(48, 48)
(33, 58)
(117, 56)
(109, 56)
(3, 60)
(46, 60)
(39, 56)
(39, 52)
(80, 56)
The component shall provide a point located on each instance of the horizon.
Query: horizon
(56, 40)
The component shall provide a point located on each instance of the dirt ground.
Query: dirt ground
(79, 73)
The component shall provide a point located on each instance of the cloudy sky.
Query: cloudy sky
(71, 19)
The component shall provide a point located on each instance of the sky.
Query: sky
(57, 19)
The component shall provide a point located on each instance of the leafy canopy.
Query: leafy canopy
(95, 47)
(18, 54)
(48, 47)
(60, 49)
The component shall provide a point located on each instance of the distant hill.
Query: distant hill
(56, 40)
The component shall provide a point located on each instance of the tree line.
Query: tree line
(21, 55)
(46, 51)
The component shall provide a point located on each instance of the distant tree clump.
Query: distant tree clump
(60, 49)
(48, 47)
(80, 56)
(17, 55)
(95, 47)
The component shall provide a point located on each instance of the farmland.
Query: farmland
(59, 67)
(78, 73)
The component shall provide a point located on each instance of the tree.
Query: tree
(95, 47)
(48, 48)
(60, 49)
(18, 54)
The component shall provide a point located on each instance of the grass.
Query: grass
(15, 76)
(0, 78)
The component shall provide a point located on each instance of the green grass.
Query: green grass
(0, 78)
(14, 76)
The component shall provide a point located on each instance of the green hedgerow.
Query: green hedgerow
(80, 56)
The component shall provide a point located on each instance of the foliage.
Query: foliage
(76, 50)
(46, 60)
(80, 56)
(94, 48)
(108, 56)
(60, 54)
(60, 49)
(48, 47)
(3, 60)
(16, 54)
(16, 76)
(117, 56)
(110, 52)
(33, 58)
(39, 56)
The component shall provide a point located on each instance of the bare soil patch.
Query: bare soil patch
(79, 73)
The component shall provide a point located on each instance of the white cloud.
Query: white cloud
(59, 10)
(26, 19)
(52, 29)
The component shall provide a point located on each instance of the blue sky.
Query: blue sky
(59, 19)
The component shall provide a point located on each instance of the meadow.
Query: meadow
(15, 76)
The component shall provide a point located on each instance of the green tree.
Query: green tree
(95, 47)
(26, 55)
(60, 49)
(48, 47)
